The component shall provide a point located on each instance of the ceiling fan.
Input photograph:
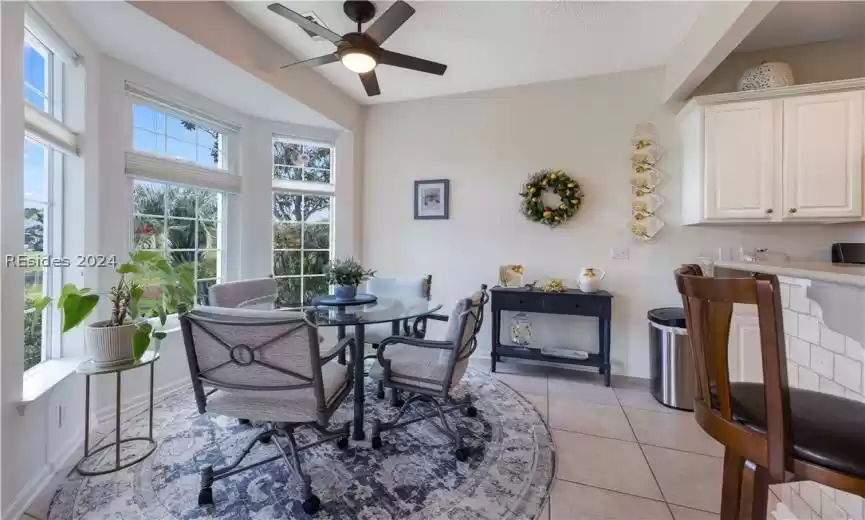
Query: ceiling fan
(360, 51)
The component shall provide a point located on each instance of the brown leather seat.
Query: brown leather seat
(827, 430)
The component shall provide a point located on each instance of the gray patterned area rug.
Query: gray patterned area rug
(414, 476)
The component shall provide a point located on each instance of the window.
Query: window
(45, 137)
(184, 223)
(302, 219)
(38, 69)
(42, 177)
(165, 135)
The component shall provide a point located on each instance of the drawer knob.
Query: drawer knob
(769, 211)
(792, 210)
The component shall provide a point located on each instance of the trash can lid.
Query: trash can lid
(669, 316)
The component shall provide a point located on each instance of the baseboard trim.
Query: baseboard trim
(45, 477)
(74, 446)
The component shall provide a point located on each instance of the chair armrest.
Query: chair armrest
(437, 317)
(339, 347)
(418, 329)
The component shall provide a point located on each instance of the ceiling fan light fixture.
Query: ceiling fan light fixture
(358, 61)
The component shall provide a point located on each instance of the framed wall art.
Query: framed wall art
(431, 199)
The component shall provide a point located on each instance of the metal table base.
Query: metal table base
(90, 370)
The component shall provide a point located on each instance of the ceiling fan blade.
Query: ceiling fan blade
(390, 21)
(300, 20)
(315, 62)
(410, 62)
(370, 83)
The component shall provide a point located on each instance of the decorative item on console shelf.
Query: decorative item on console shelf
(533, 205)
(646, 178)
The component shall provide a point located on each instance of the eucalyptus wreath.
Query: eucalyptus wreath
(558, 182)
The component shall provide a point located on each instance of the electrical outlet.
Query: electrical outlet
(620, 253)
(60, 417)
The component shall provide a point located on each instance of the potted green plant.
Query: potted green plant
(127, 334)
(345, 274)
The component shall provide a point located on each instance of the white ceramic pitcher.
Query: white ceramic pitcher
(590, 280)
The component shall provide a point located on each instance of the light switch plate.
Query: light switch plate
(620, 253)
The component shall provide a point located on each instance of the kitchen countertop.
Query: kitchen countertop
(843, 274)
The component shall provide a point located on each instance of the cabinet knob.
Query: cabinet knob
(792, 210)
(769, 211)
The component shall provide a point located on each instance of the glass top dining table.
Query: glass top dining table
(386, 309)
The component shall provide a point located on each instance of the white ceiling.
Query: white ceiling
(121, 30)
(494, 44)
(796, 23)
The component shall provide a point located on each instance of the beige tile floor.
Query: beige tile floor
(620, 454)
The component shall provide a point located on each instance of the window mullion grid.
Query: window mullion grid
(302, 245)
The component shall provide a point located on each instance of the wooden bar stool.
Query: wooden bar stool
(788, 434)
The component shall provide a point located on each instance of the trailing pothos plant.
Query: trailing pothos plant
(149, 287)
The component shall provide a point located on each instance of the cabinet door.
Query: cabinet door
(741, 161)
(823, 156)
(745, 360)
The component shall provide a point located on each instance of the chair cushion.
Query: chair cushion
(827, 430)
(426, 363)
(282, 405)
(373, 333)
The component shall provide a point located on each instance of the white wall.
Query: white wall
(487, 144)
(35, 441)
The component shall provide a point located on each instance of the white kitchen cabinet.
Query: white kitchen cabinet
(791, 154)
(741, 160)
(744, 358)
(823, 142)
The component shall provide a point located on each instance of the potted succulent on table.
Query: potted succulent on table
(149, 287)
(345, 275)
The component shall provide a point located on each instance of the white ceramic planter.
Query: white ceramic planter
(109, 346)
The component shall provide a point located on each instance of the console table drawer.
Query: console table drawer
(519, 302)
(568, 304)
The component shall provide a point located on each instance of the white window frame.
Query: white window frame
(146, 166)
(52, 246)
(48, 125)
(294, 187)
(45, 127)
(220, 232)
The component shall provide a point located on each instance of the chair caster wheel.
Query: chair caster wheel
(398, 403)
(266, 440)
(462, 454)
(376, 443)
(243, 422)
(380, 395)
(311, 505)
(342, 443)
(471, 411)
(205, 497)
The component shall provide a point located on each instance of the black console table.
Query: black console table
(571, 302)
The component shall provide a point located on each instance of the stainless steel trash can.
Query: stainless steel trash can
(672, 372)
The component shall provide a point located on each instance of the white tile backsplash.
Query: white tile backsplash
(791, 322)
(799, 301)
(809, 329)
(848, 372)
(832, 340)
(830, 387)
(799, 351)
(820, 359)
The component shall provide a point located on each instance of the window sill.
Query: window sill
(40, 379)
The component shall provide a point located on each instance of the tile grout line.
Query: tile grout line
(654, 477)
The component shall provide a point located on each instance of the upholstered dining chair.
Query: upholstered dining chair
(430, 369)
(257, 293)
(265, 366)
(786, 434)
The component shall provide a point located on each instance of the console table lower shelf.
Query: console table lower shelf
(571, 302)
